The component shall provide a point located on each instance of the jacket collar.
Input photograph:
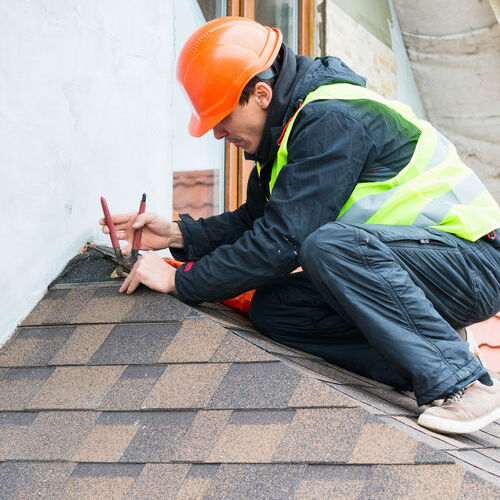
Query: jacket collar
(292, 69)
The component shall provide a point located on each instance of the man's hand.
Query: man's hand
(150, 270)
(157, 233)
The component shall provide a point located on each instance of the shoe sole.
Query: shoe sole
(445, 426)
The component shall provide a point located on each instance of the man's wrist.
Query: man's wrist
(176, 237)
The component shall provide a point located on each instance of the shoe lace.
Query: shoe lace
(456, 396)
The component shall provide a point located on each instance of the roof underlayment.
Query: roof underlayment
(142, 396)
(454, 50)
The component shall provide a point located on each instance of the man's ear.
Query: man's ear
(264, 94)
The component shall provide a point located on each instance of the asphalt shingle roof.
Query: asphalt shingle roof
(142, 396)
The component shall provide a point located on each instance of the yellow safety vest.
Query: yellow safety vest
(435, 189)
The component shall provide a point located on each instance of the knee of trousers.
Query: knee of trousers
(333, 240)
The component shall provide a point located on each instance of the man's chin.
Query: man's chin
(249, 149)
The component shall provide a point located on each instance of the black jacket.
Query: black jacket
(333, 145)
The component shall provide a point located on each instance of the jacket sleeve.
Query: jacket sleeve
(201, 236)
(326, 154)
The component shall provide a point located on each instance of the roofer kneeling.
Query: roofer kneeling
(390, 227)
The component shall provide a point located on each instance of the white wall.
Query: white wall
(86, 89)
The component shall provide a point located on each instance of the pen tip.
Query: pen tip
(143, 196)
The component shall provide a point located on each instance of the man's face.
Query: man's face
(243, 127)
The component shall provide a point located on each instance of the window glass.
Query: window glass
(212, 8)
(283, 14)
(198, 163)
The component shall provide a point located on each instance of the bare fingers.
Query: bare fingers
(132, 281)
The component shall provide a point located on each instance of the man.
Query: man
(394, 234)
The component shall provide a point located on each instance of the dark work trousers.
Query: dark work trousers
(379, 300)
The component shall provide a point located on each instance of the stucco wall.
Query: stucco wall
(86, 108)
(367, 37)
(360, 50)
(454, 48)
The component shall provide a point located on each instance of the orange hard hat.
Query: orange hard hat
(216, 63)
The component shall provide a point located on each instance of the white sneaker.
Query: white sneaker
(467, 410)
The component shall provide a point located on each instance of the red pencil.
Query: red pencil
(112, 230)
(138, 233)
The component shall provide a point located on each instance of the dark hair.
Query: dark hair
(269, 76)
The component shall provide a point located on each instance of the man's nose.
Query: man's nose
(219, 131)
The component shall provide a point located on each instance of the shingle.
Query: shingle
(134, 344)
(345, 473)
(483, 439)
(105, 443)
(255, 385)
(197, 340)
(34, 346)
(493, 453)
(311, 392)
(32, 479)
(330, 373)
(492, 429)
(19, 385)
(414, 482)
(159, 435)
(69, 307)
(256, 481)
(334, 481)
(105, 306)
(80, 347)
(396, 402)
(367, 399)
(195, 488)
(427, 455)
(247, 443)
(53, 436)
(133, 386)
(206, 471)
(202, 435)
(381, 443)
(158, 481)
(474, 487)
(123, 418)
(110, 481)
(479, 460)
(76, 387)
(271, 346)
(234, 348)
(186, 386)
(261, 417)
(152, 306)
(451, 440)
(225, 315)
(13, 426)
(321, 435)
(51, 300)
(317, 489)
(433, 442)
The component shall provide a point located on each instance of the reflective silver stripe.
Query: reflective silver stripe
(440, 153)
(463, 193)
(363, 209)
